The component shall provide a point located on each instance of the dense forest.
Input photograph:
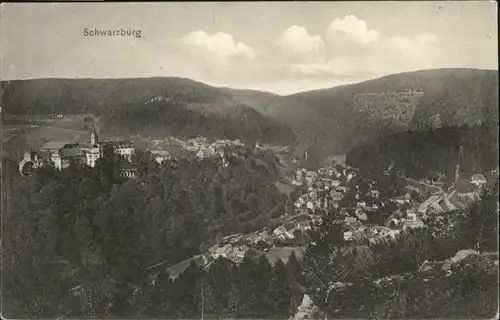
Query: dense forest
(153, 107)
(327, 118)
(91, 217)
(79, 243)
(420, 154)
(161, 118)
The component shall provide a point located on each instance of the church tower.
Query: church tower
(93, 137)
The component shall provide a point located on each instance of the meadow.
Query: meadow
(21, 133)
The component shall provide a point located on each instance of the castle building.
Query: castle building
(62, 154)
(92, 150)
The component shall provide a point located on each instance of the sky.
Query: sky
(280, 47)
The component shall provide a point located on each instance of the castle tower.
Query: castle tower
(56, 159)
(94, 139)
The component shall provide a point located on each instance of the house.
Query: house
(310, 205)
(336, 196)
(401, 201)
(126, 168)
(413, 224)
(392, 222)
(279, 231)
(342, 189)
(478, 180)
(123, 147)
(361, 204)
(351, 220)
(33, 160)
(375, 193)
(363, 217)
(411, 215)
(201, 154)
(160, 155)
(348, 236)
(65, 156)
(335, 183)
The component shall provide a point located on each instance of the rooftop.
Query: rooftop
(87, 145)
(123, 144)
(71, 152)
(53, 145)
(478, 178)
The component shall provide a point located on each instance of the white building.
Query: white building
(61, 154)
(478, 180)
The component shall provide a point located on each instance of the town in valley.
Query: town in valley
(249, 160)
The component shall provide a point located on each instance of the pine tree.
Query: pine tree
(295, 276)
(264, 275)
(221, 285)
(162, 295)
(254, 279)
(188, 292)
(280, 292)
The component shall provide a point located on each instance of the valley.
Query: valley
(237, 197)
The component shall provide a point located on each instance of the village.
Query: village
(327, 189)
(363, 209)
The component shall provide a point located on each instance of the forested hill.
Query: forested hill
(441, 97)
(150, 107)
(110, 228)
(330, 120)
(419, 154)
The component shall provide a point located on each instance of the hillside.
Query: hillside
(421, 154)
(153, 107)
(329, 120)
(443, 97)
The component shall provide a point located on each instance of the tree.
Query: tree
(189, 293)
(280, 292)
(221, 288)
(161, 297)
(479, 225)
(295, 276)
(254, 279)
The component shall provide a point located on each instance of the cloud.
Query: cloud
(351, 49)
(418, 51)
(330, 70)
(296, 43)
(410, 44)
(219, 45)
(352, 28)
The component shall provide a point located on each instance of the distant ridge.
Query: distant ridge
(328, 118)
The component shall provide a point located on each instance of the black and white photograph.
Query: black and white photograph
(249, 160)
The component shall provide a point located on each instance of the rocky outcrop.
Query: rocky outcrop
(464, 286)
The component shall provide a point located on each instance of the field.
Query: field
(19, 134)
